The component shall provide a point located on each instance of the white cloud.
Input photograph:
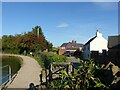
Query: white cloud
(62, 25)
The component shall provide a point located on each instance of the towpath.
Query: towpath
(28, 73)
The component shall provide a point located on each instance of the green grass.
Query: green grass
(14, 61)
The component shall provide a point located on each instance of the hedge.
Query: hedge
(47, 58)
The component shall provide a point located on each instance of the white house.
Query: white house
(97, 43)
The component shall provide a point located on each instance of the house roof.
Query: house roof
(80, 44)
(64, 45)
(113, 41)
(73, 44)
(76, 44)
(90, 40)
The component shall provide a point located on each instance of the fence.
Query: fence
(53, 72)
(8, 76)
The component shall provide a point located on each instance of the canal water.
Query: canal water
(3, 76)
(13, 62)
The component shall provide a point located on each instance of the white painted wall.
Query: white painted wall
(98, 44)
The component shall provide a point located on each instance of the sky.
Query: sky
(61, 22)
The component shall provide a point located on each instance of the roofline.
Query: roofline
(90, 40)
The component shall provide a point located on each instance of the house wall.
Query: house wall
(86, 52)
(71, 46)
(62, 51)
(99, 44)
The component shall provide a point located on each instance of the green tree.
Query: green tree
(30, 41)
(49, 45)
(37, 30)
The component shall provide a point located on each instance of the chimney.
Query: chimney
(98, 34)
(73, 41)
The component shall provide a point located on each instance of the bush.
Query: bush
(83, 78)
(47, 58)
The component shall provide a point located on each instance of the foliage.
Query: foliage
(37, 30)
(56, 49)
(49, 44)
(14, 61)
(31, 41)
(82, 79)
(78, 53)
(47, 58)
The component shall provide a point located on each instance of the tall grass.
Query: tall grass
(14, 61)
(45, 58)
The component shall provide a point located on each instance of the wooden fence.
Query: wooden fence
(53, 72)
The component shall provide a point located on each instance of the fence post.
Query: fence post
(10, 73)
(67, 68)
(46, 77)
(72, 69)
(50, 73)
(41, 78)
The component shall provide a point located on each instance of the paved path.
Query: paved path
(76, 62)
(72, 59)
(28, 73)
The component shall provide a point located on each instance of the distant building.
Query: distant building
(97, 43)
(70, 47)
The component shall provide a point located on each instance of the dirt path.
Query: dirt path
(28, 73)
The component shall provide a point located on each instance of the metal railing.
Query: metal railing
(8, 76)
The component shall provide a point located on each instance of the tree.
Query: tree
(30, 41)
(37, 31)
(49, 45)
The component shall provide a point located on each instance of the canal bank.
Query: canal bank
(28, 73)
(9, 67)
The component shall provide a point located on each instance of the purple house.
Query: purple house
(70, 47)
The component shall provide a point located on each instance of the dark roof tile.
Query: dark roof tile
(90, 40)
(64, 45)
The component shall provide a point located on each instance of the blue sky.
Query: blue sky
(61, 21)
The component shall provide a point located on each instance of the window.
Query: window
(62, 47)
(72, 46)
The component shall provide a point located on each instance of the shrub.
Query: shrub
(47, 58)
(83, 78)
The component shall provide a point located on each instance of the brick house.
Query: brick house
(70, 47)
